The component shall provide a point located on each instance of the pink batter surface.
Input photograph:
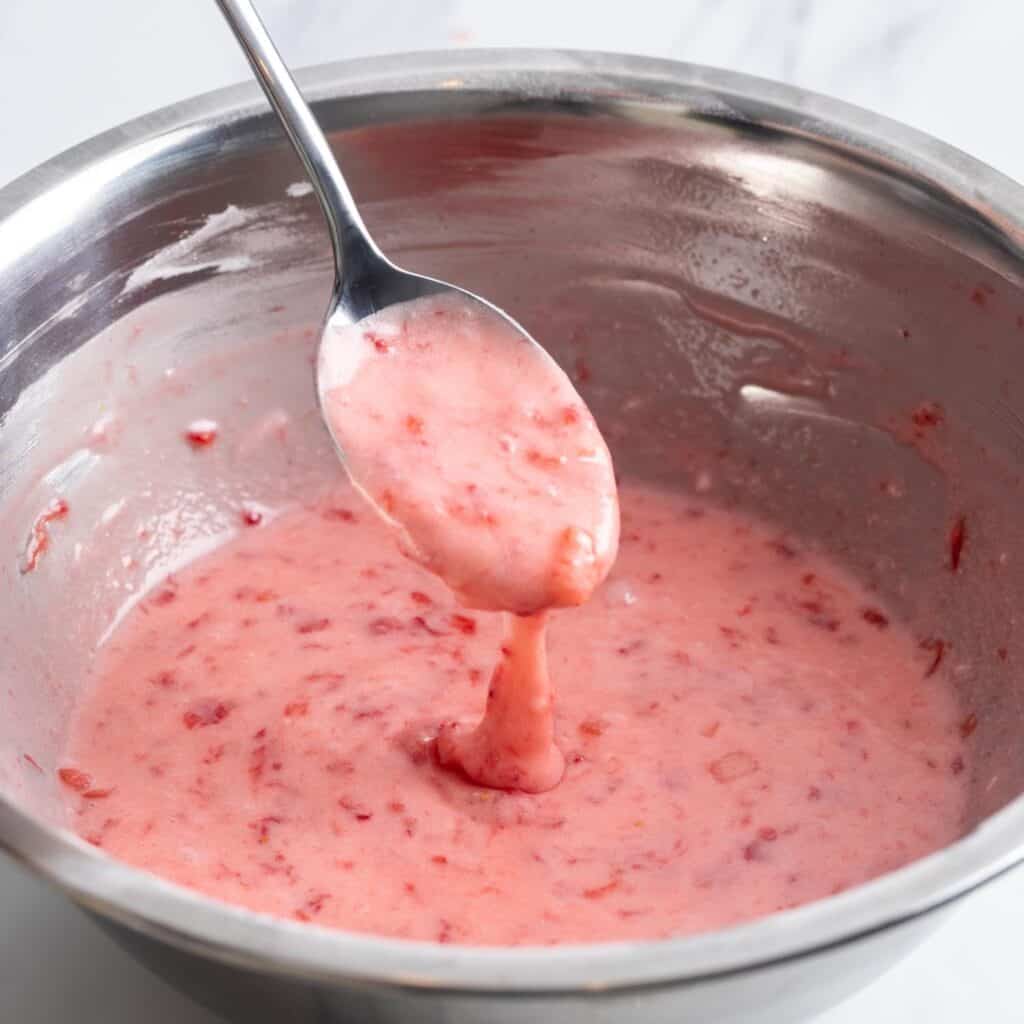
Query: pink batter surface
(744, 729)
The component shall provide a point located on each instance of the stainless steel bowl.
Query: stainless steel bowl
(755, 288)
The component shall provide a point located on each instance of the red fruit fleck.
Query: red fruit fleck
(782, 549)
(201, 433)
(29, 759)
(928, 414)
(464, 623)
(904, 333)
(396, 805)
(753, 851)
(421, 623)
(420, 598)
(296, 709)
(1002, 653)
(600, 891)
(938, 647)
(570, 415)
(591, 727)
(583, 373)
(312, 626)
(414, 425)
(979, 296)
(339, 515)
(358, 811)
(384, 625)
(39, 537)
(771, 635)
(98, 794)
(875, 618)
(316, 902)
(473, 514)
(968, 725)
(732, 766)
(214, 754)
(818, 617)
(251, 516)
(378, 343)
(331, 680)
(957, 539)
(813, 793)
(957, 765)
(444, 931)
(165, 680)
(365, 714)
(538, 458)
(262, 828)
(204, 713)
(853, 726)
(711, 730)
(769, 835)
(439, 858)
(74, 779)
(163, 597)
(257, 762)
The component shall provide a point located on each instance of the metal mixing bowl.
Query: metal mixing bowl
(808, 311)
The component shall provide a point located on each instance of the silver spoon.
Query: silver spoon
(366, 281)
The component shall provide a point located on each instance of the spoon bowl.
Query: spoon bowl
(506, 489)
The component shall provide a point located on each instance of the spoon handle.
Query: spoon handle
(350, 239)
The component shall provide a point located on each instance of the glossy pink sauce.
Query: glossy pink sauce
(476, 449)
(744, 728)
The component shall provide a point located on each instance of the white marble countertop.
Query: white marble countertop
(69, 70)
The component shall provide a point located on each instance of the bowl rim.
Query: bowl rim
(37, 203)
